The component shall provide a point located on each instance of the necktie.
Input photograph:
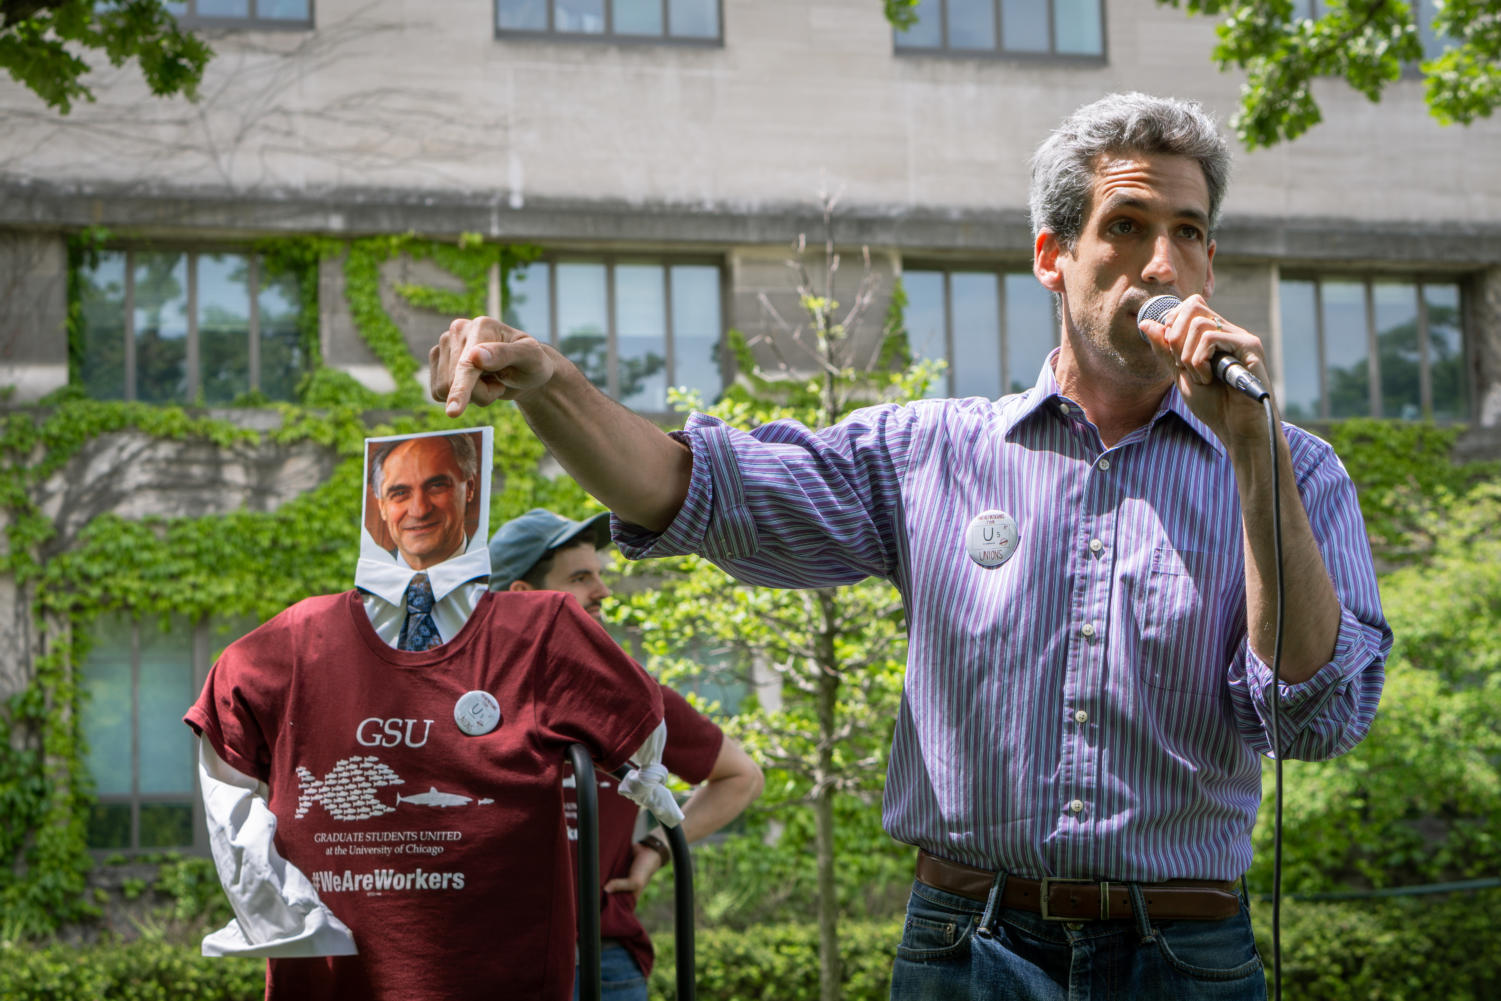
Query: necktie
(419, 632)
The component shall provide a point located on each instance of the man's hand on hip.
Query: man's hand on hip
(644, 864)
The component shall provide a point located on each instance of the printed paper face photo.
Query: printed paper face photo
(427, 497)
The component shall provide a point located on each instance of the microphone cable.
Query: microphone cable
(1274, 701)
(1230, 371)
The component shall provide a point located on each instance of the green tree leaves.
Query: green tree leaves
(1463, 83)
(1419, 801)
(824, 666)
(41, 41)
(1367, 43)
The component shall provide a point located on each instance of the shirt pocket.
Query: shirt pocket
(1185, 611)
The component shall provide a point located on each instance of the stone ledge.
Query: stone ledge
(223, 214)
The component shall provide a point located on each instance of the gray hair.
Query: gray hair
(465, 456)
(1063, 168)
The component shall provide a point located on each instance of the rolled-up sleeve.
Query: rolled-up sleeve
(1331, 712)
(784, 506)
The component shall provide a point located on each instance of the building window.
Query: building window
(1047, 28)
(694, 22)
(185, 327)
(635, 327)
(994, 327)
(138, 681)
(1434, 44)
(242, 13)
(1372, 347)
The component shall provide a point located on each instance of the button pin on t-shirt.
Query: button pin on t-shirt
(991, 538)
(476, 713)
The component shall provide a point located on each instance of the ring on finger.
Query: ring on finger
(1217, 324)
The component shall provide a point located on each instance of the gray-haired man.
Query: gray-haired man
(423, 487)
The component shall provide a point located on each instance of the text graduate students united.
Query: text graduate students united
(1087, 570)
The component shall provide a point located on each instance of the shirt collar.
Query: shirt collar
(388, 579)
(1046, 397)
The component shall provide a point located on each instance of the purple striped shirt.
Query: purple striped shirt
(1091, 707)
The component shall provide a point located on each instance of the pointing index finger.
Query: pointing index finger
(467, 372)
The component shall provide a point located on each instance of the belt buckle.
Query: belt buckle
(1043, 897)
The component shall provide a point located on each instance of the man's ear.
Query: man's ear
(1045, 251)
(520, 585)
(1209, 275)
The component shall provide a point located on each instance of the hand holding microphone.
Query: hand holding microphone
(1227, 368)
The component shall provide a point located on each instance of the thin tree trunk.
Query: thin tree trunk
(829, 973)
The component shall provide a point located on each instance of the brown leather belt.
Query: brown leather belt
(1082, 899)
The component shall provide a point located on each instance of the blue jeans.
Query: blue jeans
(944, 956)
(621, 979)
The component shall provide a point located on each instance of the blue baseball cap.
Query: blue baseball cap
(518, 544)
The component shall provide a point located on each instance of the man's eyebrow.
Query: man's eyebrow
(1190, 213)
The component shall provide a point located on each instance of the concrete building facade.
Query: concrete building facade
(390, 117)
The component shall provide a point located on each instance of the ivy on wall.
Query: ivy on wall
(243, 563)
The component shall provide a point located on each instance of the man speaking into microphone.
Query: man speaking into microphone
(1089, 576)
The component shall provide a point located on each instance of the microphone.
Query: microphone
(1227, 368)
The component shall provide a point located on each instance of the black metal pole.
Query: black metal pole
(682, 906)
(682, 911)
(587, 797)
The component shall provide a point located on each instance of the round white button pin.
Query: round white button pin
(476, 713)
(991, 538)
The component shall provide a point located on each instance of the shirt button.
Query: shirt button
(1077, 806)
(1080, 716)
(1088, 630)
(1064, 408)
(1104, 464)
(1095, 545)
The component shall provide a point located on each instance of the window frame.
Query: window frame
(1000, 271)
(945, 50)
(1368, 281)
(608, 36)
(192, 353)
(252, 22)
(202, 660)
(610, 260)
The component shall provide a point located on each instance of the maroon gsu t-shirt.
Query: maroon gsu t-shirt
(693, 742)
(444, 853)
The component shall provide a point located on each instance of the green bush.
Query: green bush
(742, 880)
(1393, 949)
(1420, 799)
(193, 885)
(1398, 949)
(780, 962)
(1390, 949)
(139, 971)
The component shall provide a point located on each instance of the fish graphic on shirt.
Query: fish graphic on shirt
(347, 792)
(433, 798)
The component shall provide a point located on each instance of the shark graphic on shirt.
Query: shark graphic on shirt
(433, 798)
